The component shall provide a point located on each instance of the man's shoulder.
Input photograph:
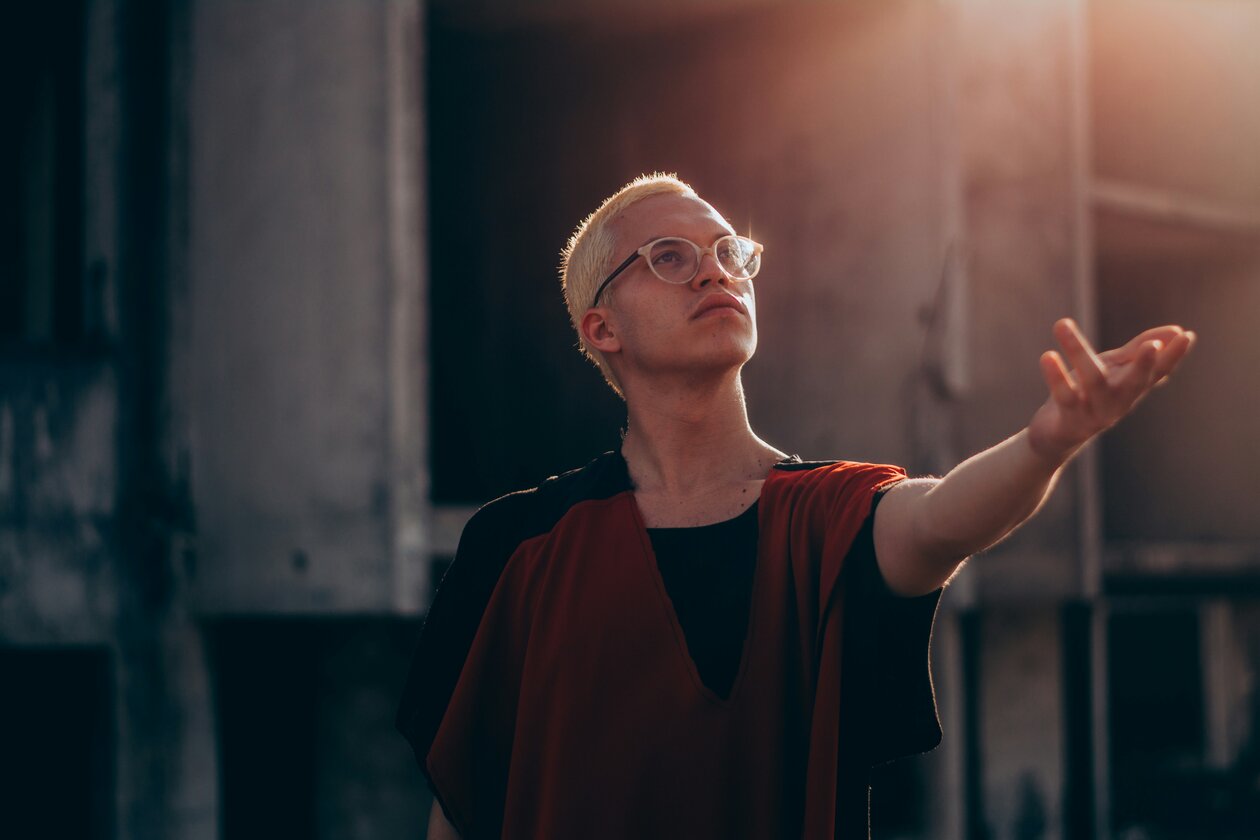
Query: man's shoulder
(522, 514)
(796, 482)
(793, 463)
(836, 469)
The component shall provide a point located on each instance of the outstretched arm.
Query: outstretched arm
(925, 528)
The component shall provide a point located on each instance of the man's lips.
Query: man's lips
(719, 300)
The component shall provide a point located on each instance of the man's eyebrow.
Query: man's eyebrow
(676, 236)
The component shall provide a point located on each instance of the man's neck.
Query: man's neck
(687, 439)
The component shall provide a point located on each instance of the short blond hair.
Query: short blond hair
(588, 256)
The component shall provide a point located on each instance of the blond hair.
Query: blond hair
(588, 256)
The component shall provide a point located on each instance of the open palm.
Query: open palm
(1100, 388)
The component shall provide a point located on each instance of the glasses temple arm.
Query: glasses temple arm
(624, 265)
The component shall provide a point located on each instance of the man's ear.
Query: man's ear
(598, 333)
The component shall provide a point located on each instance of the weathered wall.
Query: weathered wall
(1018, 115)
(97, 542)
(57, 497)
(1187, 467)
(305, 365)
(89, 516)
(1175, 87)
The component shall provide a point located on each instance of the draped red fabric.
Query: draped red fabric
(578, 712)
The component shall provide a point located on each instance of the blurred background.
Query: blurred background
(280, 310)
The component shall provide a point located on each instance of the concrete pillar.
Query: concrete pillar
(1022, 724)
(1019, 112)
(306, 305)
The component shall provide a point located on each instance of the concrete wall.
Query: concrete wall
(97, 542)
(1019, 117)
(1175, 87)
(78, 565)
(1188, 466)
(305, 367)
(57, 495)
(1184, 128)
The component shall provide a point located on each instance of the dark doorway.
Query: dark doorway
(41, 175)
(1158, 781)
(267, 681)
(56, 743)
(307, 745)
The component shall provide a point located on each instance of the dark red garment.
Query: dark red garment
(578, 713)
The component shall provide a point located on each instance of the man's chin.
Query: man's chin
(712, 356)
(711, 365)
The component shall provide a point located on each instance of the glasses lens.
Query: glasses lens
(738, 256)
(674, 260)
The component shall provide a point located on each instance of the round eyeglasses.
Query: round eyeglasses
(677, 260)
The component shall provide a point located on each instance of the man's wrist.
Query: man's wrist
(1053, 455)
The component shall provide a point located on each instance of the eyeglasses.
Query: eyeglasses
(677, 260)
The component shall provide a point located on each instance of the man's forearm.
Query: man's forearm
(924, 529)
(983, 499)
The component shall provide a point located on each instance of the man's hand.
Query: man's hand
(1101, 387)
(924, 528)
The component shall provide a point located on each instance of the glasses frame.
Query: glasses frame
(644, 250)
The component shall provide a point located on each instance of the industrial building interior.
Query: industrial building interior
(280, 311)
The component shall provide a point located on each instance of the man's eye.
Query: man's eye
(667, 256)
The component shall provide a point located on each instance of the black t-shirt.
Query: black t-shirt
(708, 573)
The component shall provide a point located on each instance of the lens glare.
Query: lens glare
(738, 256)
(674, 260)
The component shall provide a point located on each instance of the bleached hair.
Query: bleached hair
(588, 256)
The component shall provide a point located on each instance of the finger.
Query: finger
(1172, 355)
(1127, 353)
(1139, 376)
(1062, 388)
(1085, 363)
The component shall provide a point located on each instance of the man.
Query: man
(698, 635)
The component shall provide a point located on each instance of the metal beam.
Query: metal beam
(1138, 201)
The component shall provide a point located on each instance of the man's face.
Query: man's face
(666, 329)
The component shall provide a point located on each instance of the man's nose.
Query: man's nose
(710, 271)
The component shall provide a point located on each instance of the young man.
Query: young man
(699, 635)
